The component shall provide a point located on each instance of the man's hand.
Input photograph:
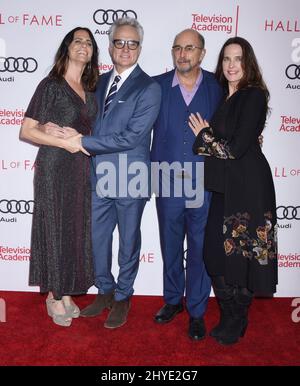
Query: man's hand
(73, 144)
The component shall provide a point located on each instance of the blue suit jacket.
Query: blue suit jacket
(126, 127)
(213, 94)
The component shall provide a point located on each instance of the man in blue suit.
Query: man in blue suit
(128, 101)
(186, 89)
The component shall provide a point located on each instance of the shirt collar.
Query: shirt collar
(176, 79)
(125, 74)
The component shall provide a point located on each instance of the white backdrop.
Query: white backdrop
(32, 31)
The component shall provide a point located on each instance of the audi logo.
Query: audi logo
(108, 16)
(293, 71)
(19, 64)
(288, 212)
(16, 206)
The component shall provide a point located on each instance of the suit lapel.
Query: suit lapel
(102, 90)
(123, 89)
(166, 94)
(100, 97)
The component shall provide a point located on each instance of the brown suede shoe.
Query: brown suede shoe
(99, 304)
(118, 314)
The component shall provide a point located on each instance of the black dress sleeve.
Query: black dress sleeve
(42, 100)
(248, 125)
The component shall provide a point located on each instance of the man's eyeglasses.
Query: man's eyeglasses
(188, 48)
(131, 44)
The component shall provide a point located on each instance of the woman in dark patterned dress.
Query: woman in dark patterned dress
(61, 255)
(240, 242)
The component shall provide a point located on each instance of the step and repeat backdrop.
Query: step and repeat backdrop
(30, 33)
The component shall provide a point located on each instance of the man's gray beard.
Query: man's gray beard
(184, 70)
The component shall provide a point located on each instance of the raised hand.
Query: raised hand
(196, 123)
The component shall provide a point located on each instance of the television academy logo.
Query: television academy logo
(215, 23)
(289, 124)
(11, 117)
(289, 260)
(106, 17)
(14, 254)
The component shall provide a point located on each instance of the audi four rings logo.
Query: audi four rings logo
(16, 206)
(293, 71)
(108, 16)
(288, 212)
(19, 64)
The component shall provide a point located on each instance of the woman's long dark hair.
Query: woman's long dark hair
(91, 72)
(252, 73)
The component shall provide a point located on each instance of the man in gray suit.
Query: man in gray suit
(128, 101)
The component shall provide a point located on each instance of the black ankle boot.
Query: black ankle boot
(237, 323)
(225, 299)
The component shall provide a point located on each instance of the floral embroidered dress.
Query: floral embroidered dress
(237, 170)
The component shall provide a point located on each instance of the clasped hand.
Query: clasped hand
(72, 139)
(196, 123)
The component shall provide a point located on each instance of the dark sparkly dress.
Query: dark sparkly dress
(61, 253)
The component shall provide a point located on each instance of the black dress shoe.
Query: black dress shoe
(168, 312)
(197, 329)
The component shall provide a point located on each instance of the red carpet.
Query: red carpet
(29, 337)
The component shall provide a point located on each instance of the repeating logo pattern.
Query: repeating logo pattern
(288, 212)
(16, 206)
(108, 16)
(19, 64)
(293, 71)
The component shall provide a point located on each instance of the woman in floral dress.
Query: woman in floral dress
(240, 244)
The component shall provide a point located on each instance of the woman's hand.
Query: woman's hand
(69, 132)
(53, 129)
(196, 123)
(57, 131)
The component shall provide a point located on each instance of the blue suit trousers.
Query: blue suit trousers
(184, 271)
(127, 215)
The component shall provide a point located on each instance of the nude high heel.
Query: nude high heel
(72, 311)
(59, 319)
